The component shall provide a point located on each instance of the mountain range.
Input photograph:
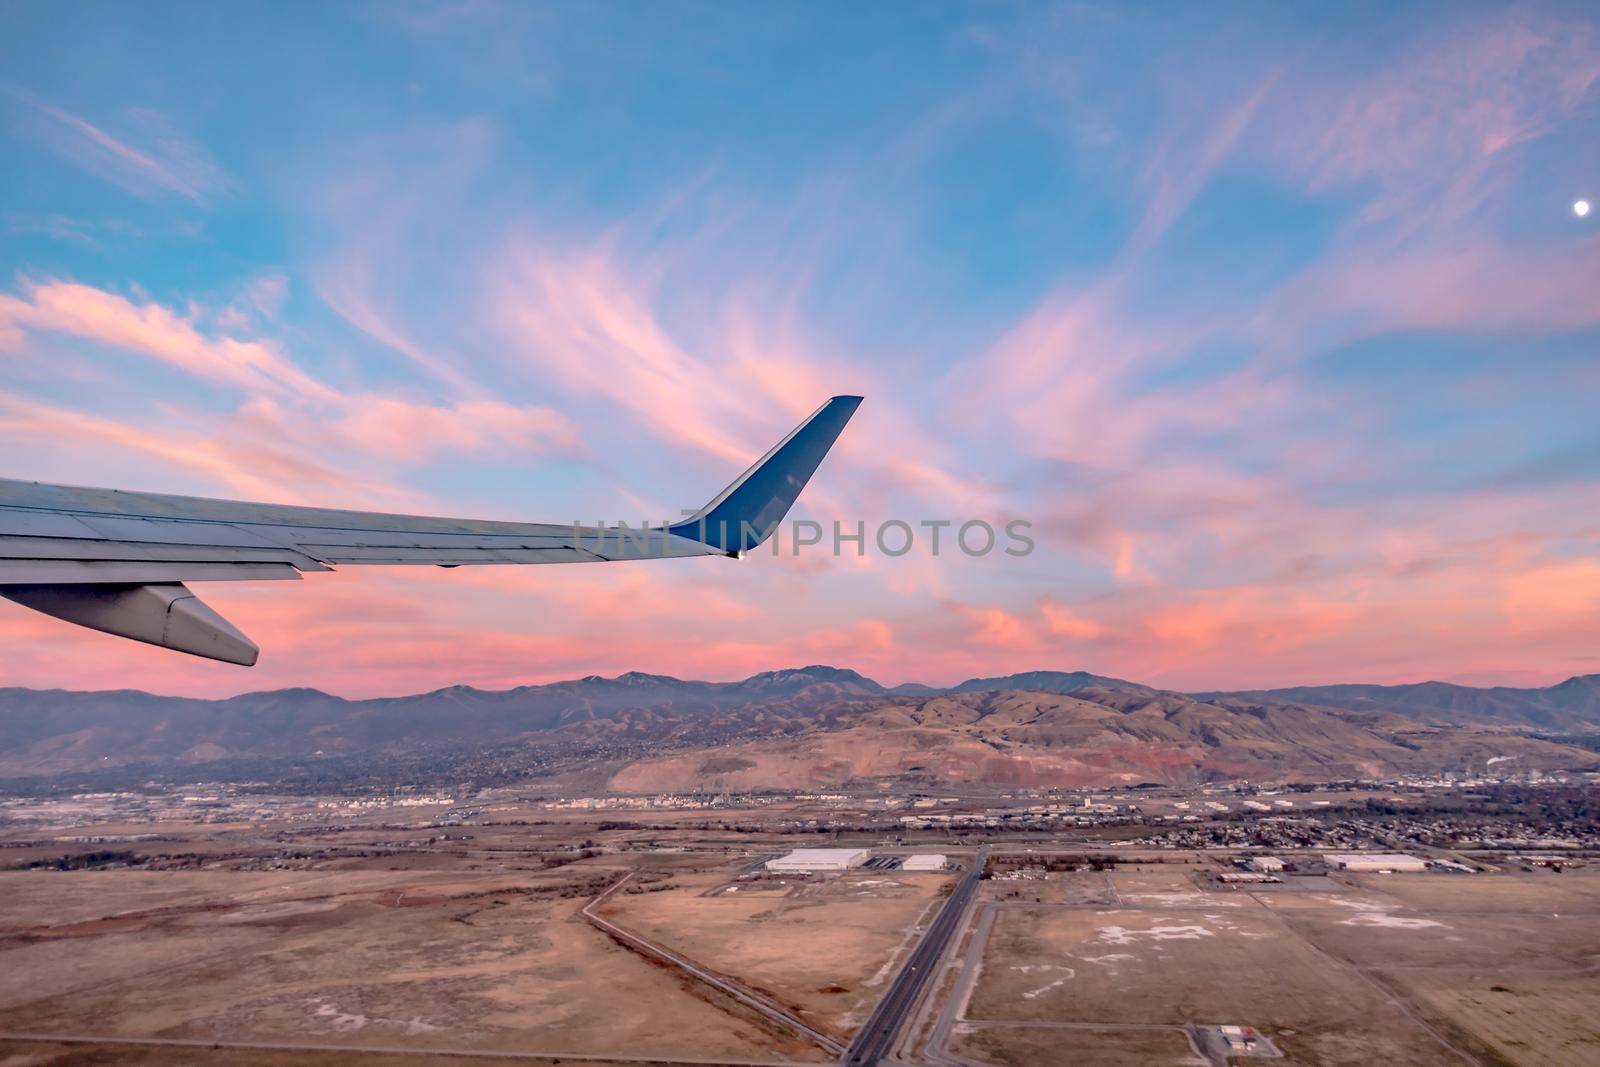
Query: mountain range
(824, 725)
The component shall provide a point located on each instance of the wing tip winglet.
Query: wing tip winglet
(744, 514)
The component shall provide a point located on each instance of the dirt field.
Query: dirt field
(106, 1054)
(1346, 897)
(1525, 1018)
(1171, 887)
(1061, 887)
(425, 960)
(825, 949)
(1019, 1046)
(1180, 964)
(1507, 962)
(1503, 966)
(1540, 892)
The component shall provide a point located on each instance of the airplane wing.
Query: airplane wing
(116, 561)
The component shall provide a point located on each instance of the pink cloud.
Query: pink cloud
(234, 464)
(409, 431)
(290, 439)
(153, 331)
(1480, 287)
(579, 320)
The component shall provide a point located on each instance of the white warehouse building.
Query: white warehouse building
(1374, 861)
(805, 860)
(925, 861)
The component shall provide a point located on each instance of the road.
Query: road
(875, 1040)
(937, 1048)
(748, 997)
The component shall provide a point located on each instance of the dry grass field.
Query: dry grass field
(1524, 1018)
(1505, 967)
(380, 958)
(1060, 887)
(1539, 893)
(825, 949)
(468, 939)
(1022, 1046)
(113, 1054)
(1170, 886)
(1180, 963)
(1506, 962)
(1345, 899)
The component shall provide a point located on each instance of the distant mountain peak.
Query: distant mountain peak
(815, 671)
(1063, 682)
(626, 678)
(1585, 681)
(301, 692)
(645, 678)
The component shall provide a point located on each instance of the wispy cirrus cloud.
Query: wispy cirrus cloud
(154, 331)
(288, 436)
(578, 320)
(1432, 134)
(152, 159)
(232, 463)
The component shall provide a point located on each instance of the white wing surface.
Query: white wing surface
(115, 560)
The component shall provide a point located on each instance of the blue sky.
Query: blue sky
(1275, 320)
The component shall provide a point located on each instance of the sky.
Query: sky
(1275, 321)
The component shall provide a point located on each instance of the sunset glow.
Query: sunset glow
(1291, 366)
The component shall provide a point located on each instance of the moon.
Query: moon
(1580, 208)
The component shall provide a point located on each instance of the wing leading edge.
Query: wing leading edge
(115, 561)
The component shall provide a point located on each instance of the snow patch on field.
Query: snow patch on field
(1171, 928)
(1233, 928)
(345, 1022)
(1358, 905)
(1067, 975)
(1109, 959)
(1121, 935)
(1180, 899)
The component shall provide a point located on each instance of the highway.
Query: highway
(875, 1041)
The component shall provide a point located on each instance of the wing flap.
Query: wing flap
(19, 523)
(61, 548)
(459, 557)
(170, 531)
(89, 571)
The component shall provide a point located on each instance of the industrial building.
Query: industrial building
(925, 861)
(807, 860)
(1374, 861)
(1241, 1040)
(1268, 864)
